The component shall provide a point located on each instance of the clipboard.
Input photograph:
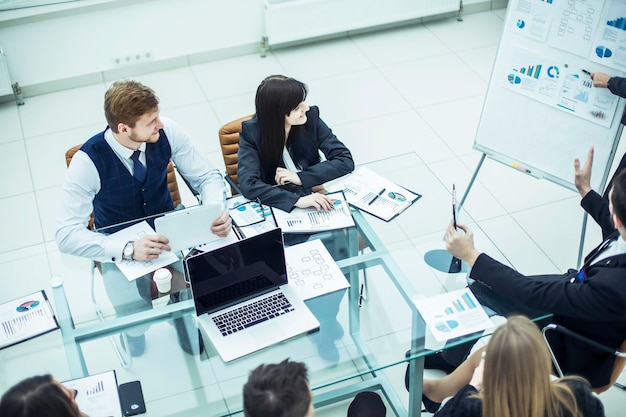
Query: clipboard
(376, 195)
(25, 318)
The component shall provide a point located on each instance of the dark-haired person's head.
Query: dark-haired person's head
(276, 97)
(39, 396)
(278, 390)
(617, 199)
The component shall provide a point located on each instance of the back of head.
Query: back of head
(35, 397)
(618, 196)
(277, 390)
(516, 378)
(126, 101)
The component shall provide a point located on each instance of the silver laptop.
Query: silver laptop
(188, 227)
(242, 298)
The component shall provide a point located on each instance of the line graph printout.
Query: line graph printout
(311, 270)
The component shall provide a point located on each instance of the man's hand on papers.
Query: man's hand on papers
(317, 200)
(461, 245)
(150, 247)
(222, 225)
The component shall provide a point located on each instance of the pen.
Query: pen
(585, 71)
(361, 295)
(618, 385)
(376, 196)
(454, 205)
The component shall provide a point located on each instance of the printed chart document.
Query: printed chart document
(26, 317)
(97, 395)
(453, 314)
(311, 270)
(309, 220)
(249, 218)
(369, 192)
(133, 269)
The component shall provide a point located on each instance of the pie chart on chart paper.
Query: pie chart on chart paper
(446, 326)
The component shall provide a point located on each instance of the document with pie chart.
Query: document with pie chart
(26, 317)
(453, 314)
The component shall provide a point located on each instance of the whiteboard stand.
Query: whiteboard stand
(583, 231)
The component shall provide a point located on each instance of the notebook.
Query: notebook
(188, 227)
(231, 287)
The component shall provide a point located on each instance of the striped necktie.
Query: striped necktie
(139, 170)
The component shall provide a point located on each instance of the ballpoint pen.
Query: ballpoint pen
(454, 205)
(376, 196)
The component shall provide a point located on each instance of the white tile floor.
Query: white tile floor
(418, 88)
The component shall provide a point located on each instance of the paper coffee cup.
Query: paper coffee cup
(163, 280)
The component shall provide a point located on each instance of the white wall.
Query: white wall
(70, 48)
(85, 44)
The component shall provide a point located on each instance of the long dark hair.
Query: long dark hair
(276, 97)
(35, 397)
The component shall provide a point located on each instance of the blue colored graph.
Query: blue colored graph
(619, 23)
(603, 52)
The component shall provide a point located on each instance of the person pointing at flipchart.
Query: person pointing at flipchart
(617, 86)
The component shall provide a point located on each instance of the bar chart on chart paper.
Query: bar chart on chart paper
(310, 219)
(453, 314)
(97, 394)
(25, 317)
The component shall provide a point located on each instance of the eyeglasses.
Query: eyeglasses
(248, 213)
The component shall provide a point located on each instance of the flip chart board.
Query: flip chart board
(541, 110)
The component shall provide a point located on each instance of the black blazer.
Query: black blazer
(617, 86)
(465, 404)
(256, 179)
(594, 308)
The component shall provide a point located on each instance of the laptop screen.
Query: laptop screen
(237, 272)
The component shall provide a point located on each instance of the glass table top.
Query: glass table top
(365, 330)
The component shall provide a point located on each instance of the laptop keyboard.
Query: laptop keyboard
(254, 313)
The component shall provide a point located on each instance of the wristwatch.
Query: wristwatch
(129, 250)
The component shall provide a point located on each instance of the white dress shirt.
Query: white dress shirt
(82, 183)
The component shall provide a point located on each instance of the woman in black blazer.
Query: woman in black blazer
(279, 149)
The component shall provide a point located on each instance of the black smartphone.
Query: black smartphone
(131, 398)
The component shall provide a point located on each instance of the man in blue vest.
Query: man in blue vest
(120, 174)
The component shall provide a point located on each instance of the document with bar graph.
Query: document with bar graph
(453, 314)
(309, 220)
(26, 317)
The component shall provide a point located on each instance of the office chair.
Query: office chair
(229, 143)
(172, 185)
(620, 353)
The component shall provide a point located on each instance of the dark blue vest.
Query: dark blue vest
(121, 197)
